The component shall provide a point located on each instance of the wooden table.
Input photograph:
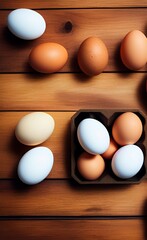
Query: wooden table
(59, 208)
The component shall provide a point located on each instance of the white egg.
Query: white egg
(26, 23)
(34, 128)
(93, 136)
(35, 165)
(127, 161)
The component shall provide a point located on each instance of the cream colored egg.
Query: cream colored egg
(34, 128)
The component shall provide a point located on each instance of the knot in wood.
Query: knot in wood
(68, 26)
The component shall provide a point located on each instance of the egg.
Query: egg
(34, 128)
(111, 150)
(92, 56)
(48, 57)
(93, 136)
(26, 24)
(127, 128)
(133, 50)
(35, 165)
(127, 161)
(90, 166)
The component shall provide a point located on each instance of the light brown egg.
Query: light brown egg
(92, 56)
(113, 147)
(48, 57)
(90, 166)
(133, 50)
(127, 128)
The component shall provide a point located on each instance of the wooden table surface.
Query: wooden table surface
(59, 208)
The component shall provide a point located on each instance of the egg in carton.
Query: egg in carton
(107, 117)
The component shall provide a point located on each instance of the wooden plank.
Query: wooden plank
(111, 25)
(59, 208)
(132, 229)
(11, 150)
(70, 4)
(66, 198)
(72, 91)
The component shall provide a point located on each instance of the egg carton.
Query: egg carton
(107, 118)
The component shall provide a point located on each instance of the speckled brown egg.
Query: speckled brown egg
(92, 56)
(133, 50)
(48, 57)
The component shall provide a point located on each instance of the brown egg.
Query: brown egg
(111, 150)
(133, 50)
(90, 166)
(92, 56)
(127, 129)
(48, 57)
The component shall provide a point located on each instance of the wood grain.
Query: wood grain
(14, 52)
(59, 208)
(12, 150)
(72, 91)
(66, 198)
(74, 229)
(58, 4)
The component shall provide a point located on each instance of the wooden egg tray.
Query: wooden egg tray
(107, 118)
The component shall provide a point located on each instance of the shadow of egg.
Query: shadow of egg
(15, 41)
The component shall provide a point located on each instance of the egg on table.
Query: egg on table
(48, 57)
(35, 165)
(127, 128)
(90, 166)
(133, 50)
(127, 161)
(34, 128)
(26, 24)
(93, 136)
(92, 56)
